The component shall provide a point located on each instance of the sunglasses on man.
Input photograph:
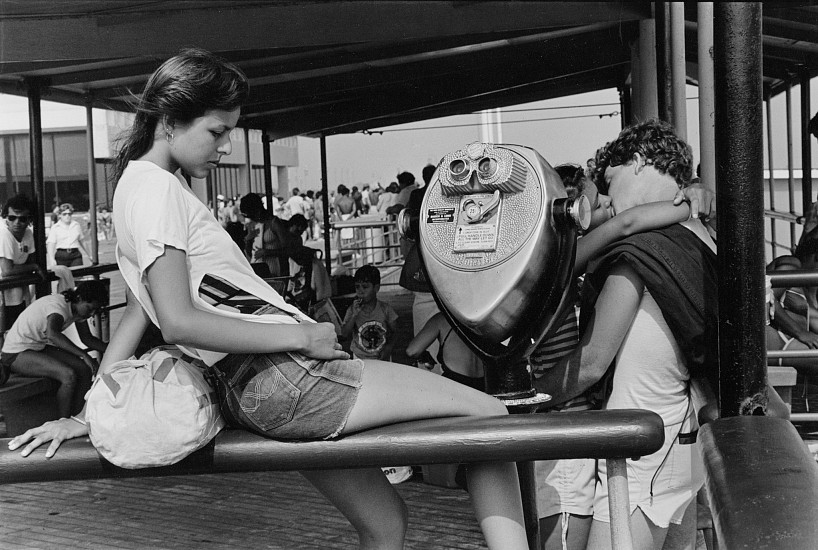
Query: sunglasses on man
(23, 219)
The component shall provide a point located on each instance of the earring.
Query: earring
(169, 135)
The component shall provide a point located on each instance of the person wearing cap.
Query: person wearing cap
(65, 240)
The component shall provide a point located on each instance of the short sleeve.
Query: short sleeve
(6, 246)
(158, 217)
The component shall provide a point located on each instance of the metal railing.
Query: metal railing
(366, 242)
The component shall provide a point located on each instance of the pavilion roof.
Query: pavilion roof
(326, 67)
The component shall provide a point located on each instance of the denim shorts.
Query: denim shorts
(274, 396)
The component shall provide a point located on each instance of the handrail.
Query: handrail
(797, 277)
(762, 483)
(784, 216)
(362, 249)
(14, 281)
(364, 223)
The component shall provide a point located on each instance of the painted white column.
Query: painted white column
(707, 96)
(678, 71)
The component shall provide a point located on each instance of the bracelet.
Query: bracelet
(80, 420)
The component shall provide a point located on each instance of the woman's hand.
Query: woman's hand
(702, 201)
(55, 431)
(322, 342)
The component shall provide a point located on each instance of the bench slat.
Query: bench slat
(591, 434)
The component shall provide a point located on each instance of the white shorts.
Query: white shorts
(675, 484)
(565, 486)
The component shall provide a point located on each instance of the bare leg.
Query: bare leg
(576, 538)
(683, 536)
(83, 373)
(415, 394)
(368, 501)
(646, 535)
(72, 381)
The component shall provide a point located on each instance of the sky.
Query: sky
(557, 129)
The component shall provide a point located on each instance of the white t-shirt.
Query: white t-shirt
(297, 206)
(154, 209)
(18, 253)
(29, 331)
(63, 236)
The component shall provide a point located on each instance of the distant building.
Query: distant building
(65, 156)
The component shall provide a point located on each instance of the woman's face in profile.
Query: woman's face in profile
(198, 146)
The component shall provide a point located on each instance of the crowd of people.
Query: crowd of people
(639, 334)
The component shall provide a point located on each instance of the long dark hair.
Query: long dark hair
(181, 89)
(93, 292)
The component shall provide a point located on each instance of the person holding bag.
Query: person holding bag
(288, 377)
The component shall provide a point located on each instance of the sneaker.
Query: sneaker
(397, 474)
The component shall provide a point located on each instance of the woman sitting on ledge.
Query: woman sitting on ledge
(293, 381)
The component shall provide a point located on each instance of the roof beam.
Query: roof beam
(226, 28)
(417, 102)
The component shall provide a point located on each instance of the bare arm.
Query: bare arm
(59, 340)
(51, 250)
(184, 324)
(610, 322)
(427, 335)
(7, 267)
(348, 324)
(793, 325)
(89, 339)
(634, 220)
(127, 335)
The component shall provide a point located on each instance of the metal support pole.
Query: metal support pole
(92, 181)
(625, 106)
(619, 503)
(664, 92)
(325, 198)
(248, 164)
(268, 170)
(740, 167)
(35, 134)
(806, 144)
(678, 71)
(771, 178)
(644, 73)
(790, 161)
(214, 192)
(707, 100)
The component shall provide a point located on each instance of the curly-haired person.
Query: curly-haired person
(650, 315)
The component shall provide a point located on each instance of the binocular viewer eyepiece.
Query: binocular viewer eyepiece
(496, 234)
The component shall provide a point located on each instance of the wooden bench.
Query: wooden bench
(614, 435)
(27, 402)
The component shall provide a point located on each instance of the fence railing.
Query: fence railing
(366, 242)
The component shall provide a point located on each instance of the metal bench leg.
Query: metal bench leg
(619, 504)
